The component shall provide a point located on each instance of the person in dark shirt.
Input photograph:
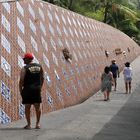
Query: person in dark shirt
(115, 71)
(30, 84)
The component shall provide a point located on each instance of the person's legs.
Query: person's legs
(108, 94)
(130, 87)
(126, 87)
(115, 83)
(105, 95)
(38, 114)
(27, 115)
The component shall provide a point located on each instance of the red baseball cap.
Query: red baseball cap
(28, 56)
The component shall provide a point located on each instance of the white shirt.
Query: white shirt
(127, 72)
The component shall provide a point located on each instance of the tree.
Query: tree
(63, 3)
(138, 4)
(50, 1)
(70, 4)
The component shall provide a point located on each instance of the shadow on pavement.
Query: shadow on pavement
(12, 128)
(125, 125)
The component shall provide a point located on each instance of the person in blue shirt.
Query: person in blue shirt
(115, 71)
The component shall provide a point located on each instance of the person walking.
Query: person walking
(30, 84)
(127, 72)
(106, 83)
(115, 71)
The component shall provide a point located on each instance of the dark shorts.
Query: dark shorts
(114, 75)
(31, 96)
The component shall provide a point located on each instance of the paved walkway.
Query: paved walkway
(118, 119)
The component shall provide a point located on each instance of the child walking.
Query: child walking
(106, 83)
(127, 72)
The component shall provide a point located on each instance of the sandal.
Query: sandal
(27, 127)
(37, 127)
(108, 99)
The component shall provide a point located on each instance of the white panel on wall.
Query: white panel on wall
(20, 9)
(53, 44)
(60, 42)
(51, 29)
(59, 94)
(41, 14)
(69, 20)
(46, 61)
(65, 31)
(58, 30)
(34, 44)
(49, 99)
(5, 43)
(72, 43)
(81, 33)
(20, 61)
(63, 19)
(47, 78)
(76, 32)
(50, 16)
(4, 117)
(75, 56)
(32, 26)
(65, 73)
(5, 23)
(5, 66)
(67, 43)
(6, 6)
(20, 25)
(57, 76)
(57, 18)
(78, 44)
(21, 110)
(67, 90)
(74, 22)
(50, 7)
(42, 27)
(44, 43)
(54, 59)
(71, 32)
(80, 56)
(5, 91)
(21, 44)
(42, 5)
(31, 11)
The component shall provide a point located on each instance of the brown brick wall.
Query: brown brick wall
(45, 30)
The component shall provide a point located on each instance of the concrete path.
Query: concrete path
(117, 119)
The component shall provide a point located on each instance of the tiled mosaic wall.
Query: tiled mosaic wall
(45, 30)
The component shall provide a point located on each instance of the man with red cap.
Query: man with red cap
(30, 84)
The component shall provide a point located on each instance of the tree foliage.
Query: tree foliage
(121, 14)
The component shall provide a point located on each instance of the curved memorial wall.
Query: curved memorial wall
(72, 49)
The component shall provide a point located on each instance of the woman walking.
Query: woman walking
(107, 81)
(127, 72)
